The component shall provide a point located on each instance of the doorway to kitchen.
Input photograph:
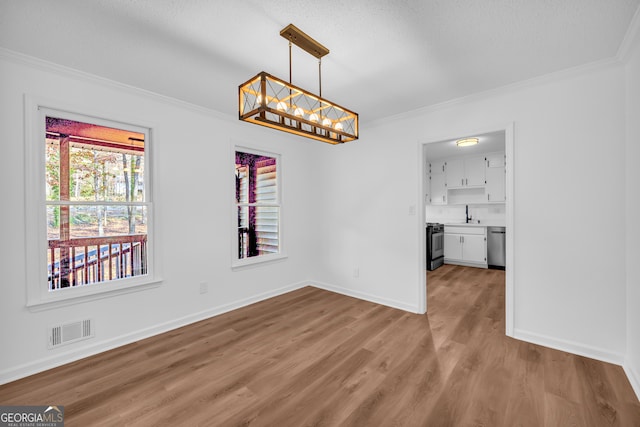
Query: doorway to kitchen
(467, 188)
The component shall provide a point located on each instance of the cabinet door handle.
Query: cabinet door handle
(487, 197)
(466, 181)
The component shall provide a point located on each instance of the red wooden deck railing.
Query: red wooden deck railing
(89, 260)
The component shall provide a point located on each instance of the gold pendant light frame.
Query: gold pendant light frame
(269, 101)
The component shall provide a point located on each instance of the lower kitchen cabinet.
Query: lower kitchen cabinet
(465, 245)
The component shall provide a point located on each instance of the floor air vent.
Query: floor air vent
(70, 333)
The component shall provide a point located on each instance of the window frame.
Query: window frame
(239, 263)
(38, 295)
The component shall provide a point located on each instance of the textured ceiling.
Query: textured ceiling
(387, 57)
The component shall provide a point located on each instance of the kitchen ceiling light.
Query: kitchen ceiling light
(269, 101)
(466, 142)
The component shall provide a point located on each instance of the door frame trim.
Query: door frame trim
(509, 130)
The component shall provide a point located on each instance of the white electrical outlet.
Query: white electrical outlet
(356, 272)
(204, 288)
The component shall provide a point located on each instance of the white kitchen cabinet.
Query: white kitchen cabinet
(475, 170)
(474, 248)
(495, 177)
(455, 173)
(465, 245)
(466, 172)
(437, 182)
(452, 247)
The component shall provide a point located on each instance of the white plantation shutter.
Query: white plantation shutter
(267, 210)
(258, 206)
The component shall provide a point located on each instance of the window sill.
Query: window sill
(80, 295)
(240, 264)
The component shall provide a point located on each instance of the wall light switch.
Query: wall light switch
(204, 288)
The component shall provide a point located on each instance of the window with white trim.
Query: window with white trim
(257, 206)
(92, 180)
(95, 202)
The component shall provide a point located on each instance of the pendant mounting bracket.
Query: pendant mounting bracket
(298, 37)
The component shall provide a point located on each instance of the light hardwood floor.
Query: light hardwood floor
(312, 357)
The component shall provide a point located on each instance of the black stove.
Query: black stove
(436, 226)
(435, 245)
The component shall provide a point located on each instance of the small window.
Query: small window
(257, 205)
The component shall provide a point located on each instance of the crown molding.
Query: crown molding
(631, 38)
(62, 70)
(502, 90)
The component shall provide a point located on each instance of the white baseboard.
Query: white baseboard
(633, 376)
(59, 359)
(366, 296)
(22, 371)
(570, 347)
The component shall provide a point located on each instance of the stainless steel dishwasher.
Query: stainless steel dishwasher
(496, 247)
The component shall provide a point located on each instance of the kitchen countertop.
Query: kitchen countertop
(497, 223)
(474, 224)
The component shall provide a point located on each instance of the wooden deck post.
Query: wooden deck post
(65, 233)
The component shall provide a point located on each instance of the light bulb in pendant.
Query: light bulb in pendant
(282, 106)
(313, 117)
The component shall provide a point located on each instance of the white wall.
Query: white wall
(193, 197)
(632, 363)
(369, 189)
(569, 175)
(353, 209)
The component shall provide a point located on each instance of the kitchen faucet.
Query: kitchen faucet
(468, 218)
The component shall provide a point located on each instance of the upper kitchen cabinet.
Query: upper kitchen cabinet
(437, 183)
(495, 177)
(466, 172)
(463, 175)
(477, 179)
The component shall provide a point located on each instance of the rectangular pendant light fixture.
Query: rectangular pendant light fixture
(269, 101)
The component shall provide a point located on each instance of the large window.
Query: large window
(257, 205)
(93, 193)
(95, 202)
